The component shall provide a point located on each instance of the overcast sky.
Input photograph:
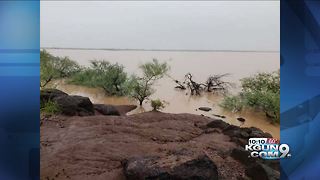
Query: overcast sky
(207, 25)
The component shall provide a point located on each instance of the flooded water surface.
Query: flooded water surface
(200, 64)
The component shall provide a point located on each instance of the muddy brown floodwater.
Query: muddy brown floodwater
(200, 64)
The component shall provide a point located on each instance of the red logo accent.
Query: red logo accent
(272, 141)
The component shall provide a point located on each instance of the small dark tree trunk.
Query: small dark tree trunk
(140, 102)
(117, 88)
(46, 82)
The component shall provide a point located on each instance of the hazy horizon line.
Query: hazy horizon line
(172, 50)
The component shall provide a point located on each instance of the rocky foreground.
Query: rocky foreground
(151, 145)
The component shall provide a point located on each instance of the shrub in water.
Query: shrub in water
(261, 91)
(102, 74)
(157, 104)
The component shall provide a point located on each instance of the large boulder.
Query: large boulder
(50, 94)
(106, 109)
(75, 105)
(69, 105)
(201, 168)
(139, 168)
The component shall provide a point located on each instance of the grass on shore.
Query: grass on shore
(50, 108)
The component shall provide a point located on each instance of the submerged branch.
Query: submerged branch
(214, 83)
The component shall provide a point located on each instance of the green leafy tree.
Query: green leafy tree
(52, 67)
(262, 92)
(110, 77)
(262, 82)
(140, 88)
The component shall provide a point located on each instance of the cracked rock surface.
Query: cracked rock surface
(155, 144)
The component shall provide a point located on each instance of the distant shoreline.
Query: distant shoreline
(167, 50)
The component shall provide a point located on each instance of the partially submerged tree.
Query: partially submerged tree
(103, 74)
(52, 67)
(141, 87)
(214, 83)
(194, 87)
(157, 104)
(261, 91)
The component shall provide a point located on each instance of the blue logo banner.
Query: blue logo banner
(19, 95)
(300, 88)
